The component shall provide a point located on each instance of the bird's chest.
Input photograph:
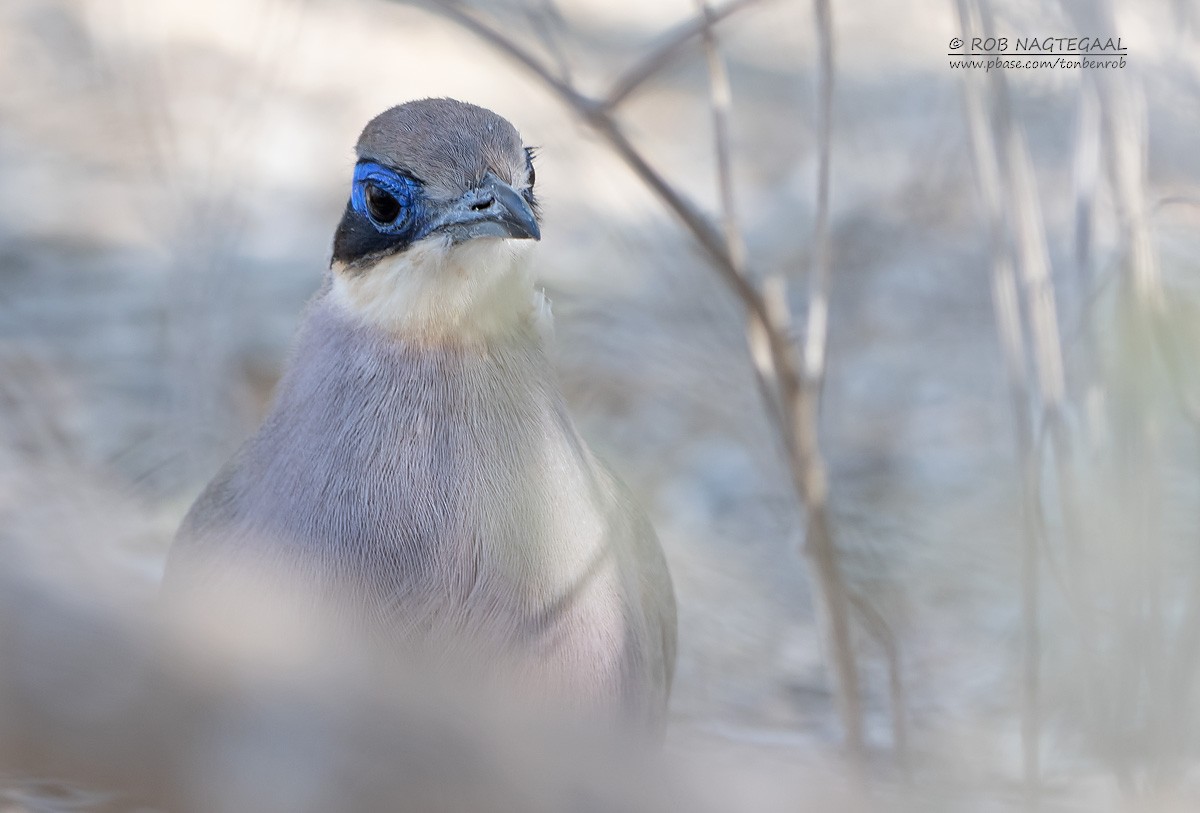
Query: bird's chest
(447, 496)
(484, 509)
(495, 530)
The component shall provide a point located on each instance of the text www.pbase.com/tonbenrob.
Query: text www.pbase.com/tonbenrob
(1005, 53)
(1057, 62)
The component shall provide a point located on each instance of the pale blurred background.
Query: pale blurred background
(170, 177)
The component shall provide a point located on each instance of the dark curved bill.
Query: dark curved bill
(492, 209)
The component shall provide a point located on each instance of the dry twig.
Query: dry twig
(805, 408)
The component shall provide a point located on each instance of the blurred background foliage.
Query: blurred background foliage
(171, 173)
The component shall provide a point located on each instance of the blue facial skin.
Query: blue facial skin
(366, 231)
(388, 211)
(406, 191)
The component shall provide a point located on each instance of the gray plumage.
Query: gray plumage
(419, 464)
(450, 144)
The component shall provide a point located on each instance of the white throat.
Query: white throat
(437, 292)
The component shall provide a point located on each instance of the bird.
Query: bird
(418, 460)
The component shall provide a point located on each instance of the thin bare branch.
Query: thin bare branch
(547, 21)
(1123, 114)
(701, 227)
(817, 327)
(1176, 200)
(804, 405)
(1086, 171)
(669, 48)
(720, 102)
(452, 11)
(881, 631)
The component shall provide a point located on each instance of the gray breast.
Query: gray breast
(441, 488)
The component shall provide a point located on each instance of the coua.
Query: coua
(418, 461)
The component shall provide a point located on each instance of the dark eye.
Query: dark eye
(381, 204)
(529, 165)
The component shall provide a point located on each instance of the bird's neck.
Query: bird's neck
(438, 294)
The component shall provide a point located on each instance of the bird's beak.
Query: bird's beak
(492, 209)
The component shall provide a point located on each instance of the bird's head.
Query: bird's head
(441, 212)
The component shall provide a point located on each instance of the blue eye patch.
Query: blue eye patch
(389, 199)
(386, 213)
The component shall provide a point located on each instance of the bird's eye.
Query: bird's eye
(529, 165)
(381, 204)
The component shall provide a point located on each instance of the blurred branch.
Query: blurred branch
(881, 631)
(1086, 171)
(1176, 200)
(1007, 313)
(1022, 278)
(460, 16)
(549, 24)
(669, 47)
(796, 377)
(805, 406)
(1167, 663)
(721, 100)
